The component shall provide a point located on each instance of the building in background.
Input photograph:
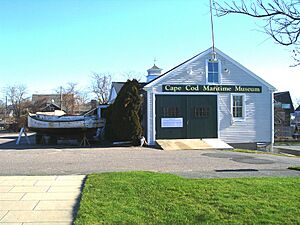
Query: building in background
(66, 102)
(283, 109)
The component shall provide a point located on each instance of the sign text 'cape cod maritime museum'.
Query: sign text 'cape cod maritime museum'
(209, 96)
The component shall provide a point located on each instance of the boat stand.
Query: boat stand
(85, 141)
(22, 131)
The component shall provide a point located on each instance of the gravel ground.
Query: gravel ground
(60, 160)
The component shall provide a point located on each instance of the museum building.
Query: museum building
(209, 96)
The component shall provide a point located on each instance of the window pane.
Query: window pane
(215, 78)
(238, 100)
(210, 77)
(210, 66)
(234, 112)
(286, 106)
(170, 111)
(201, 112)
(215, 67)
(239, 112)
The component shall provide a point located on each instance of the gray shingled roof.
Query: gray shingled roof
(154, 67)
(119, 85)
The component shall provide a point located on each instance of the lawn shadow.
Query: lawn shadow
(78, 199)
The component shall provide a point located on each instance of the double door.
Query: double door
(186, 116)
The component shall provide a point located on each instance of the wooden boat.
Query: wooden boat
(57, 124)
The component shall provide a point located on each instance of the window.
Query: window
(170, 112)
(201, 112)
(238, 106)
(212, 71)
(286, 106)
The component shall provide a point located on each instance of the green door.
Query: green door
(202, 116)
(186, 116)
(170, 116)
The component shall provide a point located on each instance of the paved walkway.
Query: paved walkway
(43, 200)
(292, 149)
(96, 160)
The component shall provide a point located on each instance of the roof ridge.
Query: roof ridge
(259, 79)
(177, 66)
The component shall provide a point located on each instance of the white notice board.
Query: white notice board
(171, 122)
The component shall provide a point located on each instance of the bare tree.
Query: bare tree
(100, 86)
(70, 97)
(281, 18)
(130, 75)
(16, 96)
(82, 98)
(2, 110)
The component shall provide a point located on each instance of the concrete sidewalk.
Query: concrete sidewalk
(41, 200)
(292, 149)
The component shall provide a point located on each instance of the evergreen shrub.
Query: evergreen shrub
(122, 119)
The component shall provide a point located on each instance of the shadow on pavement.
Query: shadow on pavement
(8, 142)
(240, 158)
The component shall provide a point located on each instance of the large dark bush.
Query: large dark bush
(123, 121)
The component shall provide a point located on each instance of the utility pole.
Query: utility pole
(60, 97)
(5, 112)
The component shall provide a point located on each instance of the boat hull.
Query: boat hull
(67, 127)
(65, 132)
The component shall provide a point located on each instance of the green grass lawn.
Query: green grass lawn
(154, 198)
(287, 143)
(252, 151)
(261, 152)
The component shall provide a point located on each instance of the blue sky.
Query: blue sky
(48, 43)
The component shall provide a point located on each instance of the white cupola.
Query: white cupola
(153, 73)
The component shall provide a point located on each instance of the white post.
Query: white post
(20, 135)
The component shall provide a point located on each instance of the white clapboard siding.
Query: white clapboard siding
(257, 126)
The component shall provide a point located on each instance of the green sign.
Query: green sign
(211, 88)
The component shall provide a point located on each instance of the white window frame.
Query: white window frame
(243, 118)
(219, 72)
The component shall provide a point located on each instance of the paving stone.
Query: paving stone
(38, 200)
(5, 188)
(12, 224)
(12, 177)
(74, 178)
(18, 183)
(55, 205)
(53, 223)
(11, 196)
(26, 178)
(29, 189)
(17, 205)
(38, 216)
(49, 196)
(64, 189)
(2, 213)
(59, 183)
(49, 178)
